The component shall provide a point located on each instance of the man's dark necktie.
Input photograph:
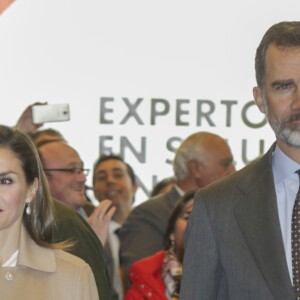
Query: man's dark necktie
(296, 244)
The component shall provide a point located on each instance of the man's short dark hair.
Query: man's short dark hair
(49, 131)
(105, 157)
(283, 35)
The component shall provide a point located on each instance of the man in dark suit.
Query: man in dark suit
(66, 177)
(238, 241)
(201, 158)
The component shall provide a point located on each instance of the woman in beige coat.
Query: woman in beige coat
(31, 268)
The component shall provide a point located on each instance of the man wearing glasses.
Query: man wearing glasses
(66, 177)
(65, 173)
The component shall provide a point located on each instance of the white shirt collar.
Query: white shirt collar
(283, 166)
(12, 261)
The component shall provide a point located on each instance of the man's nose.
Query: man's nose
(296, 99)
(81, 176)
(111, 178)
(231, 169)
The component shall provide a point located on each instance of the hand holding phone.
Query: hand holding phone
(50, 113)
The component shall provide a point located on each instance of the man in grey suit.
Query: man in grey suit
(238, 240)
(202, 158)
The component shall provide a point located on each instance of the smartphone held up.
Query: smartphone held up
(50, 113)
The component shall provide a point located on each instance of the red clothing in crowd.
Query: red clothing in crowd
(146, 278)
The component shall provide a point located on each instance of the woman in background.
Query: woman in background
(158, 277)
(31, 268)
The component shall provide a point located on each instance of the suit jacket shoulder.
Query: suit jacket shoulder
(246, 180)
(155, 209)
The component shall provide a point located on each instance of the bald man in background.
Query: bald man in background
(201, 159)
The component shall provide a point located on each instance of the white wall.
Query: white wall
(79, 52)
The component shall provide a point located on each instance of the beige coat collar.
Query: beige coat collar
(34, 256)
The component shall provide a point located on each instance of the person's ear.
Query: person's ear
(259, 100)
(172, 237)
(32, 191)
(134, 188)
(195, 168)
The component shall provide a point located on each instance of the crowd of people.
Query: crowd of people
(56, 244)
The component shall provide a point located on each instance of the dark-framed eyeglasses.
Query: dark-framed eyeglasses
(71, 171)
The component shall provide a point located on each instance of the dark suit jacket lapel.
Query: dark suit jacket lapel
(257, 216)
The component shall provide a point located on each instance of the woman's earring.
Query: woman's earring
(172, 246)
(28, 209)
